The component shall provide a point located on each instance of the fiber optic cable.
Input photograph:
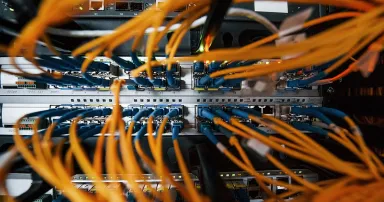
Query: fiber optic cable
(42, 169)
(325, 153)
(139, 135)
(239, 133)
(321, 116)
(83, 161)
(151, 140)
(206, 130)
(129, 159)
(193, 193)
(233, 140)
(80, 154)
(355, 131)
(304, 157)
(271, 158)
(152, 166)
(125, 64)
(158, 156)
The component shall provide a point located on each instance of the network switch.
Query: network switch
(240, 184)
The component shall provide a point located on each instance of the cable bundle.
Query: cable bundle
(47, 158)
(50, 13)
(359, 180)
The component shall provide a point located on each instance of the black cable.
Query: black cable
(38, 188)
(215, 17)
(211, 182)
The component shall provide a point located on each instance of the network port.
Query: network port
(280, 189)
(122, 6)
(96, 5)
(136, 6)
(254, 190)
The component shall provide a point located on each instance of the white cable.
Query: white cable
(253, 16)
(199, 22)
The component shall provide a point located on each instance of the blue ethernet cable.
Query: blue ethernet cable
(157, 112)
(243, 114)
(58, 131)
(96, 81)
(334, 112)
(141, 132)
(175, 132)
(53, 64)
(91, 133)
(84, 129)
(142, 81)
(96, 112)
(206, 113)
(69, 115)
(217, 82)
(207, 131)
(307, 127)
(198, 66)
(64, 63)
(322, 117)
(214, 66)
(205, 80)
(135, 59)
(225, 131)
(58, 112)
(70, 61)
(43, 114)
(126, 65)
(83, 113)
(127, 112)
(176, 129)
(142, 113)
(36, 114)
(222, 114)
(171, 80)
(172, 113)
(95, 66)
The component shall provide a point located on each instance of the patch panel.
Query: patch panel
(97, 117)
(99, 76)
(189, 115)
